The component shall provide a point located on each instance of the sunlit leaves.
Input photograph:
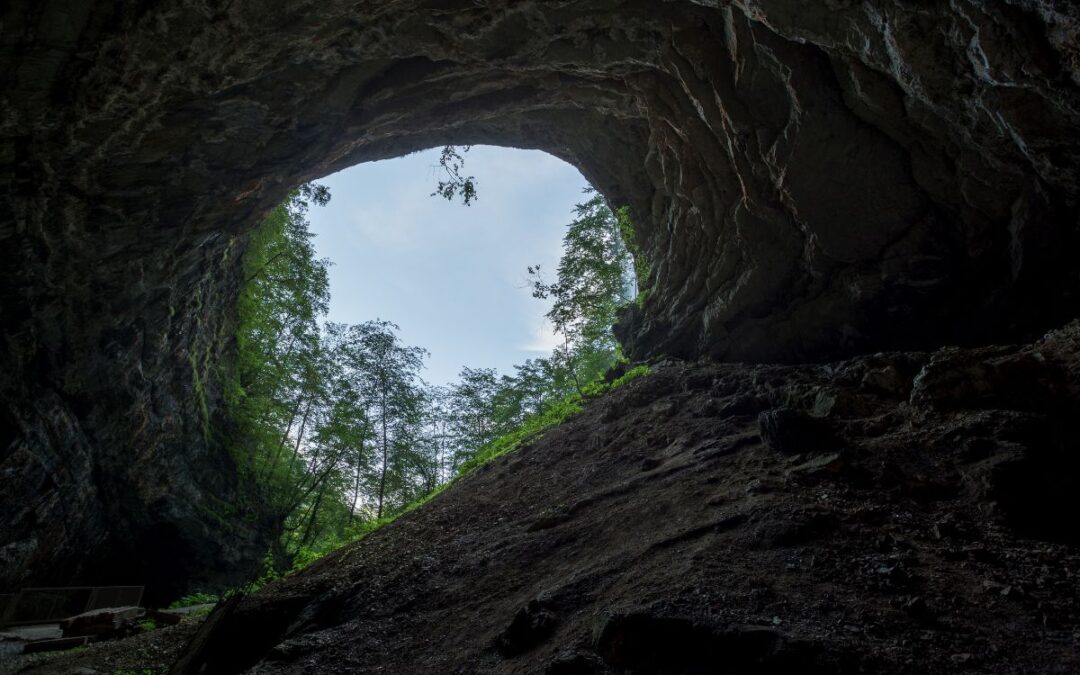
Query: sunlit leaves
(594, 278)
(454, 184)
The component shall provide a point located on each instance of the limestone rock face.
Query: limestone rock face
(808, 180)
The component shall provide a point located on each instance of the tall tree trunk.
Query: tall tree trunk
(284, 438)
(272, 394)
(356, 482)
(300, 435)
(570, 365)
(385, 454)
(435, 436)
(305, 540)
(303, 426)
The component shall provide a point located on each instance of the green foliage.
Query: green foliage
(328, 418)
(335, 421)
(269, 574)
(596, 276)
(285, 291)
(556, 414)
(147, 625)
(642, 268)
(384, 374)
(451, 162)
(193, 599)
(531, 429)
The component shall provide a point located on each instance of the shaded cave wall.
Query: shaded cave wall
(808, 180)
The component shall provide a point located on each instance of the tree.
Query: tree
(472, 411)
(438, 433)
(388, 374)
(279, 363)
(336, 421)
(596, 276)
(454, 184)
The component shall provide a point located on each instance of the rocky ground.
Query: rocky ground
(895, 513)
(148, 653)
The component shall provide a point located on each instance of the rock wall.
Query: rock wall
(807, 181)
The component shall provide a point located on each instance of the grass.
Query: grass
(194, 599)
(557, 414)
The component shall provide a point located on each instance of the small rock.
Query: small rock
(531, 625)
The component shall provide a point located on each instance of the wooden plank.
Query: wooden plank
(54, 645)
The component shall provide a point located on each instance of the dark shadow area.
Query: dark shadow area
(1037, 493)
(10, 433)
(654, 645)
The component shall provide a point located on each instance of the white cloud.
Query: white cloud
(544, 340)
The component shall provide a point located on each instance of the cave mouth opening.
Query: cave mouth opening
(453, 276)
(807, 188)
(390, 340)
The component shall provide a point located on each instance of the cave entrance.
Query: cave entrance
(453, 277)
(391, 341)
(810, 184)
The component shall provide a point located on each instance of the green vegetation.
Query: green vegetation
(642, 269)
(532, 429)
(554, 415)
(334, 420)
(194, 599)
(594, 279)
(454, 184)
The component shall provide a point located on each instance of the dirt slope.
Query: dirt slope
(894, 513)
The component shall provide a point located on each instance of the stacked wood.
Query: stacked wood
(102, 623)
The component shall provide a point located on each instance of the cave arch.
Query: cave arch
(807, 182)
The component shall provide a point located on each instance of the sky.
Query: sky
(453, 277)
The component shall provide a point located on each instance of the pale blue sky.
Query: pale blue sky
(453, 277)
